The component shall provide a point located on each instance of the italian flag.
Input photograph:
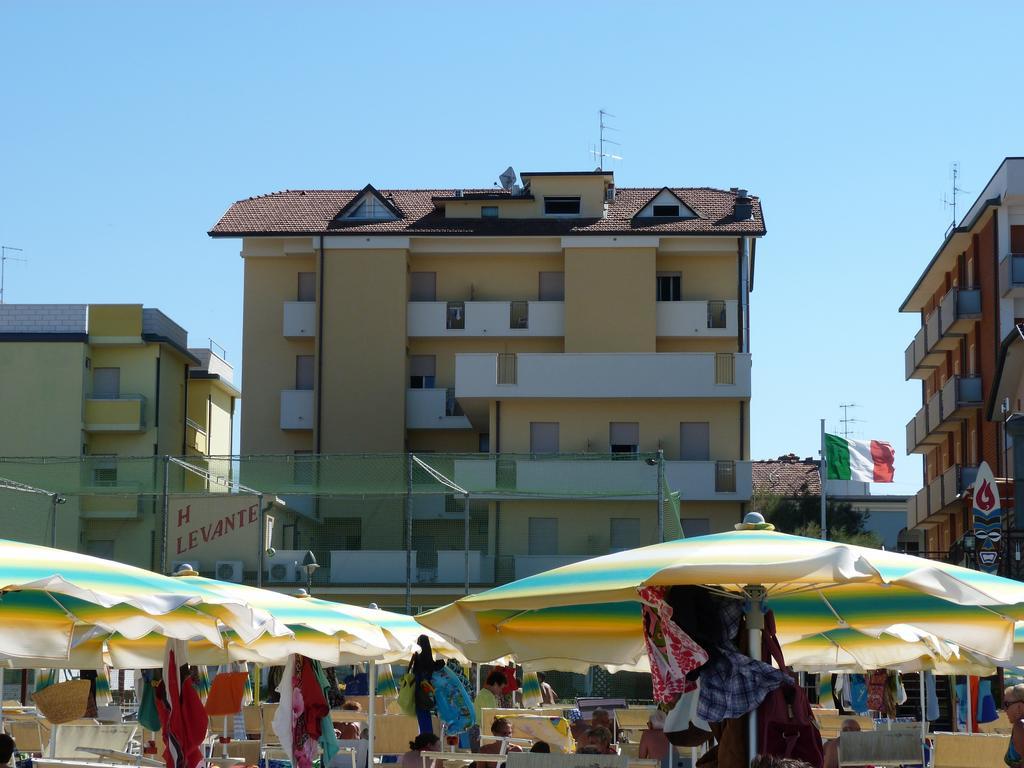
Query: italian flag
(867, 461)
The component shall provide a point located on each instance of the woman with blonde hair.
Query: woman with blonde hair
(1013, 703)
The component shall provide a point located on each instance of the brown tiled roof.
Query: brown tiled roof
(314, 212)
(787, 476)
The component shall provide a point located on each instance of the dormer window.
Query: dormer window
(370, 208)
(488, 211)
(665, 211)
(665, 205)
(561, 206)
(369, 205)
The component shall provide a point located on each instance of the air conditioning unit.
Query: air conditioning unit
(229, 570)
(176, 565)
(286, 566)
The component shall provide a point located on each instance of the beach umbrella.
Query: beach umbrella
(47, 597)
(588, 612)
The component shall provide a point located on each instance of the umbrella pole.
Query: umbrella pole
(372, 715)
(755, 594)
(924, 705)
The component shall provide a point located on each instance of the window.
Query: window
(562, 206)
(624, 437)
(543, 437)
(104, 471)
(694, 441)
(669, 286)
(347, 532)
(106, 383)
(370, 208)
(455, 316)
(423, 286)
(484, 442)
(716, 314)
(624, 534)
(666, 210)
(422, 371)
(552, 286)
(100, 548)
(543, 534)
(695, 526)
(488, 212)
(302, 468)
(307, 287)
(725, 477)
(519, 314)
(303, 371)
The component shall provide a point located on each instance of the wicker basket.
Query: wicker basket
(63, 702)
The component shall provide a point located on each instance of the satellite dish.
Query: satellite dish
(508, 178)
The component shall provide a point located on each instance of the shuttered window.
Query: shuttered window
(543, 437)
(552, 286)
(625, 533)
(422, 286)
(422, 371)
(543, 533)
(694, 441)
(303, 371)
(306, 290)
(624, 436)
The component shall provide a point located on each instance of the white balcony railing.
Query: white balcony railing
(299, 319)
(296, 409)
(433, 409)
(485, 318)
(696, 318)
(370, 566)
(565, 375)
(695, 480)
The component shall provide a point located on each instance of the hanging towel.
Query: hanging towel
(876, 690)
(858, 694)
(282, 722)
(149, 717)
(901, 692)
(103, 695)
(328, 741)
(986, 703)
(532, 696)
(202, 682)
(671, 653)
(931, 697)
(309, 708)
(226, 693)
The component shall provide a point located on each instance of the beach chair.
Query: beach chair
(554, 760)
(487, 715)
(963, 750)
(30, 736)
(249, 750)
(1000, 725)
(358, 751)
(68, 739)
(392, 733)
(632, 721)
(256, 718)
(880, 748)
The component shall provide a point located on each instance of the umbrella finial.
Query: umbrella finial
(185, 570)
(754, 521)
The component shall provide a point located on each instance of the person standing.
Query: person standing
(547, 693)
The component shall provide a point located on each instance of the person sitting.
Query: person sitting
(7, 748)
(1013, 703)
(601, 718)
(588, 749)
(503, 729)
(832, 745)
(600, 737)
(425, 742)
(653, 742)
(349, 730)
(541, 746)
(771, 761)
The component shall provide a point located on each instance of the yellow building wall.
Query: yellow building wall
(584, 527)
(444, 440)
(137, 365)
(583, 424)
(115, 321)
(487, 277)
(171, 432)
(364, 367)
(133, 541)
(268, 358)
(590, 190)
(704, 275)
(209, 405)
(609, 300)
(722, 515)
(42, 387)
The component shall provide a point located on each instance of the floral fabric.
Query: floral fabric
(671, 652)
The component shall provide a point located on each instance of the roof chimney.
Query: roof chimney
(743, 209)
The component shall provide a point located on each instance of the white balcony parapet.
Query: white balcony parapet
(299, 319)
(696, 318)
(370, 566)
(602, 375)
(612, 478)
(296, 409)
(530, 565)
(485, 318)
(433, 409)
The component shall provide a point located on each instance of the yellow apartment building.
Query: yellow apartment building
(96, 384)
(559, 315)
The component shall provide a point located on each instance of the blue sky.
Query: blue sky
(127, 129)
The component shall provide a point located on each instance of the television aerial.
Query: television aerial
(508, 178)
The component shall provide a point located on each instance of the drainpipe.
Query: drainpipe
(319, 346)
(744, 330)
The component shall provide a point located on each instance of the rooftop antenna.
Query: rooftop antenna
(4, 258)
(950, 200)
(599, 152)
(847, 419)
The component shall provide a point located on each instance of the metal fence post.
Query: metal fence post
(408, 535)
(465, 542)
(166, 515)
(661, 495)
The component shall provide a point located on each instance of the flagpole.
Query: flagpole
(822, 475)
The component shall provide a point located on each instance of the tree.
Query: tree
(801, 515)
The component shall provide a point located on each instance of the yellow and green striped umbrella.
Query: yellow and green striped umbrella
(587, 612)
(47, 594)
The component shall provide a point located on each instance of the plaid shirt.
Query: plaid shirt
(733, 684)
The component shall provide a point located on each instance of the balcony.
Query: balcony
(111, 507)
(696, 318)
(617, 478)
(959, 397)
(485, 318)
(940, 493)
(299, 319)
(433, 409)
(296, 409)
(578, 375)
(531, 565)
(123, 413)
(1011, 276)
(941, 332)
